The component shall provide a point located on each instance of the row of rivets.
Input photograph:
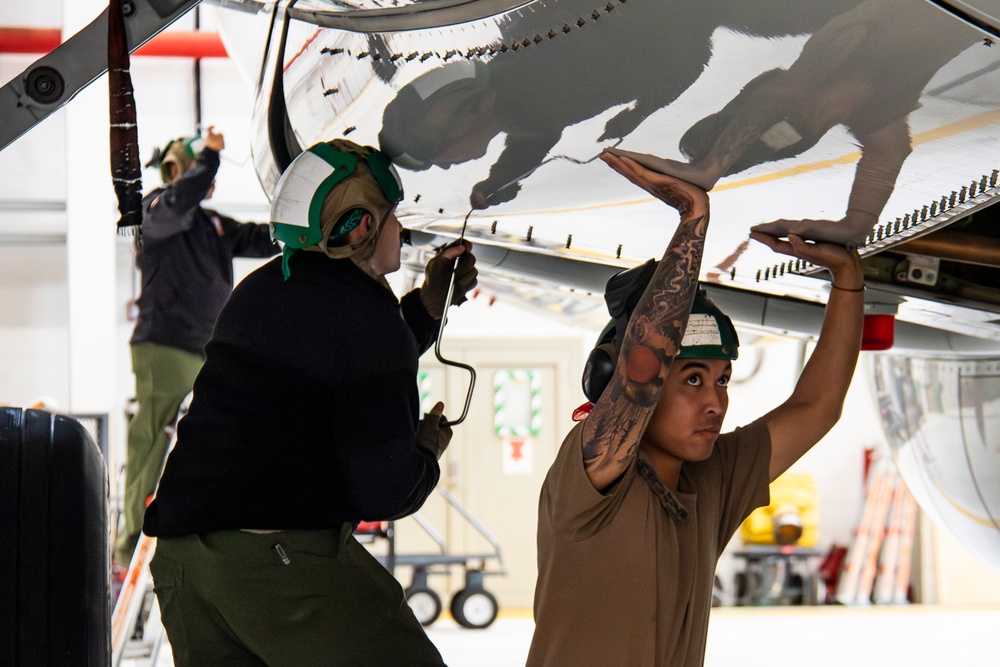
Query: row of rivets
(480, 51)
(799, 266)
(934, 208)
(884, 231)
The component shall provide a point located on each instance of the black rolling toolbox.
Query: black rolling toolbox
(55, 606)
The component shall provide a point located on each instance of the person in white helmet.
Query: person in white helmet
(646, 491)
(305, 422)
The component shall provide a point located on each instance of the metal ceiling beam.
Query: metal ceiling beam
(53, 80)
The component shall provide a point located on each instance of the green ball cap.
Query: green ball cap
(710, 333)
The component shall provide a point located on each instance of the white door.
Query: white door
(492, 467)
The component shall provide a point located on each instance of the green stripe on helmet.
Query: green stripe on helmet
(343, 165)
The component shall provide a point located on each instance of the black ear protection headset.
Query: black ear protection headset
(622, 294)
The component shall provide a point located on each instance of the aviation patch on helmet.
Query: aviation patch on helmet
(702, 329)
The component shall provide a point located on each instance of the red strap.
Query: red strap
(583, 411)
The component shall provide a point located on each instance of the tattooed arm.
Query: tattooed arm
(615, 427)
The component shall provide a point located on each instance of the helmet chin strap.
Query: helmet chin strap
(444, 320)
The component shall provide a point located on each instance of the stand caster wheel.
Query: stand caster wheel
(474, 608)
(425, 604)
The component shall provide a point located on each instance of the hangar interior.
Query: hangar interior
(67, 312)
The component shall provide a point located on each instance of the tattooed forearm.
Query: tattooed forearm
(614, 441)
(660, 317)
(656, 327)
(653, 337)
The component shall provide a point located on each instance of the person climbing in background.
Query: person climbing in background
(184, 253)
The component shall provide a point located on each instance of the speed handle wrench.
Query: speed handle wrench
(437, 344)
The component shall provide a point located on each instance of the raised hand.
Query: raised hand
(484, 196)
(844, 263)
(686, 171)
(849, 231)
(214, 140)
(689, 199)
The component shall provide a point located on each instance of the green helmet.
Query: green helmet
(180, 152)
(298, 218)
(710, 333)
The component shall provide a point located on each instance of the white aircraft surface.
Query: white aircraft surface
(870, 122)
(881, 116)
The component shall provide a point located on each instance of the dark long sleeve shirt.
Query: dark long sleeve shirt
(305, 413)
(187, 262)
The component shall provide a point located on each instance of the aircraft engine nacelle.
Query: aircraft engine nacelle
(941, 418)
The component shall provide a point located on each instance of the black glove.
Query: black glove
(437, 277)
(434, 433)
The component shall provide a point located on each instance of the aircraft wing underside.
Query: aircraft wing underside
(873, 122)
(879, 120)
(868, 122)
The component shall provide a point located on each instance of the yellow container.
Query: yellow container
(794, 504)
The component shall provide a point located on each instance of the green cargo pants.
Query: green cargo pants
(284, 599)
(163, 379)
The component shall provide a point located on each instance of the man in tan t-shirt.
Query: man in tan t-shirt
(645, 492)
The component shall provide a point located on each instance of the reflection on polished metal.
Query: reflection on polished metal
(874, 121)
(920, 238)
(941, 418)
(833, 117)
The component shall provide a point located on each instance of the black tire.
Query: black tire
(797, 585)
(474, 608)
(747, 588)
(424, 603)
(740, 581)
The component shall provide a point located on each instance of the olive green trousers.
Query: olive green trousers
(283, 599)
(164, 377)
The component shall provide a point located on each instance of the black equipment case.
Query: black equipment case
(55, 606)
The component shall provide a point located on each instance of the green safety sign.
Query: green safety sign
(517, 402)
